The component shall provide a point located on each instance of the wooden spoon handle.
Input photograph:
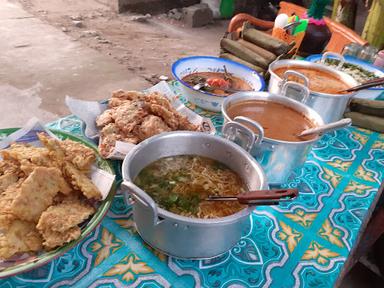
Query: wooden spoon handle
(266, 196)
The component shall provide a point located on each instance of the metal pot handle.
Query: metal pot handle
(334, 55)
(296, 74)
(231, 130)
(304, 91)
(141, 196)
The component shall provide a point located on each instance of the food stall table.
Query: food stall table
(304, 243)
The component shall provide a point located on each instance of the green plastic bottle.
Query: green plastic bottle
(227, 8)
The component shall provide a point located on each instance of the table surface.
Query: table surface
(304, 243)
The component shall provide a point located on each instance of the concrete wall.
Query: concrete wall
(147, 6)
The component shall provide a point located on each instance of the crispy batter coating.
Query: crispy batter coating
(152, 125)
(133, 117)
(6, 180)
(36, 193)
(77, 178)
(35, 155)
(58, 224)
(31, 180)
(81, 182)
(80, 155)
(19, 236)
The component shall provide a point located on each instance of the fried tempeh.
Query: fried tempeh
(36, 193)
(20, 236)
(58, 224)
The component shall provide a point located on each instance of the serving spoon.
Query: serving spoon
(365, 85)
(327, 127)
(199, 86)
(266, 197)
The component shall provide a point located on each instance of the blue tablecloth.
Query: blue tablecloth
(304, 243)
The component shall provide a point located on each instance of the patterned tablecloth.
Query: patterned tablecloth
(300, 244)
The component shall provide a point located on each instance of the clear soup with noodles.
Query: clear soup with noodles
(181, 184)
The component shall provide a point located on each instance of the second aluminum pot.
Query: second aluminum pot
(180, 236)
(331, 107)
(278, 158)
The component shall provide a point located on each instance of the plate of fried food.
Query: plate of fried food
(48, 199)
(130, 117)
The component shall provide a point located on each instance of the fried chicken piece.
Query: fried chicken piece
(80, 155)
(184, 124)
(151, 125)
(128, 95)
(36, 193)
(81, 182)
(108, 137)
(157, 98)
(105, 118)
(167, 115)
(127, 116)
(20, 236)
(114, 102)
(58, 224)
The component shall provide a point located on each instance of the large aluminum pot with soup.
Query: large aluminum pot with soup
(170, 175)
(326, 86)
(274, 122)
(206, 81)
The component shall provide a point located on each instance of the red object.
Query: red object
(218, 82)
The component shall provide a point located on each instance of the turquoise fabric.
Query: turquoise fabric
(303, 243)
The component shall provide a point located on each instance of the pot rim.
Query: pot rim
(344, 76)
(191, 220)
(264, 96)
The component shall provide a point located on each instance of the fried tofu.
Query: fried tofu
(36, 193)
(58, 224)
(20, 236)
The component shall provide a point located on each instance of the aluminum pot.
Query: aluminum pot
(278, 158)
(331, 107)
(176, 235)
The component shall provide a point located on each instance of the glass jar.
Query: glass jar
(368, 53)
(379, 61)
(352, 49)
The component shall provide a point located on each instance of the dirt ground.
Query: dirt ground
(148, 48)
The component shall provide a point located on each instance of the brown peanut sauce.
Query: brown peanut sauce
(279, 121)
(319, 81)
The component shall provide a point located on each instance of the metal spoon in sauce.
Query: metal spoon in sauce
(327, 127)
(228, 90)
(259, 197)
(365, 85)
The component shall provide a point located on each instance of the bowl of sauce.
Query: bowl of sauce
(226, 75)
(278, 147)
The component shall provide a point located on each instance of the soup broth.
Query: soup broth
(280, 122)
(319, 81)
(223, 81)
(180, 184)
